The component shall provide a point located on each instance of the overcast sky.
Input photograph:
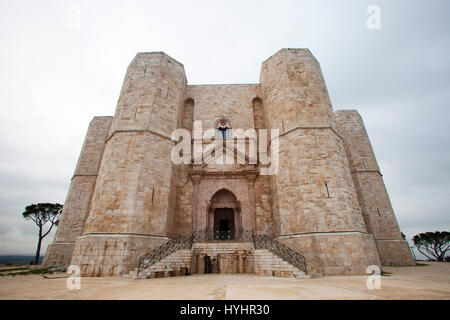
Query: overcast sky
(63, 62)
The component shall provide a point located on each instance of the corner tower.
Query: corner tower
(315, 205)
(76, 206)
(374, 200)
(132, 205)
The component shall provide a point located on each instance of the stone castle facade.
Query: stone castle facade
(327, 200)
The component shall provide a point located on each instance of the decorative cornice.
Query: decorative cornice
(121, 234)
(137, 130)
(244, 174)
(196, 176)
(310, 128)
(324, 233)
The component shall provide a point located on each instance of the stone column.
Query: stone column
(251, 176)
(196, 177)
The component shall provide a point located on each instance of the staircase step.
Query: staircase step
(260, 261)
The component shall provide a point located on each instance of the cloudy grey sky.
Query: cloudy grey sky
(56, 74)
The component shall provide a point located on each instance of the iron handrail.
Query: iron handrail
(163, 251)
(260, 241)
(284, 252)
(211, 236)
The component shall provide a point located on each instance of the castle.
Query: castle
(324, 200)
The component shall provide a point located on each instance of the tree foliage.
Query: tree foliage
(433, 245)
(42, 214)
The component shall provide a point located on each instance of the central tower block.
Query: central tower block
(315, 205)
(132, 203)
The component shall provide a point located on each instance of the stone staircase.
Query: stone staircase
(268, 264)
(220, 257)
(224, 257)
(176, 264)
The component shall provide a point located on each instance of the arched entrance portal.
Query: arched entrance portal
(224, 215)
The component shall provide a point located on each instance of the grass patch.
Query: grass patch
(13, 269)
(27, 271)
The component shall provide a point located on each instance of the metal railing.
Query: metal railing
(259, 241)
(163, 251)
(282, 251)
(211, 236)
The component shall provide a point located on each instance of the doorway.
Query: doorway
(208, 265)
(224, 224)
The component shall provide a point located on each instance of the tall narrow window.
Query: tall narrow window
(223, 132)
(223, 129)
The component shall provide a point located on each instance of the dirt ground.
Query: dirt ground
(420, 282)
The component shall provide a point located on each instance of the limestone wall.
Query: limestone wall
(112, 254)
(374, 200)
(184, 202)
(313, 191)
(208, 103)
(134, 193)
(76, 206)
(184, 191)
(233, 102)
(133, 187)
(335, 253)
(263, 206)
(294, 91)
(312, 157)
